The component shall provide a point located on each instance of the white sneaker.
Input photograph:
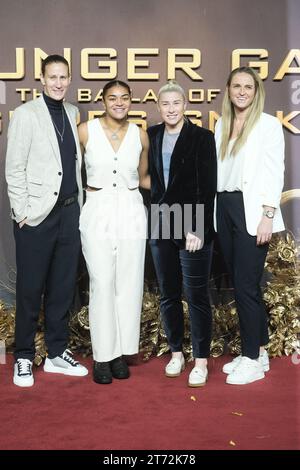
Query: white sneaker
(198, 377)
(263, 359)
(247, 371)
(65, 364)
(230, 366)
(23, 376)
(175, 367)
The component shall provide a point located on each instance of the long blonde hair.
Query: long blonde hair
(253, 114)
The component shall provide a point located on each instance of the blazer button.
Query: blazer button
(114, 185)
(114, 171)
(55, 194)
(60, 173)
(115, 158)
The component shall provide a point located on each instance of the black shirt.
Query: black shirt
(67, 146)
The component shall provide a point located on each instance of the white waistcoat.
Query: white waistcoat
(106, 168)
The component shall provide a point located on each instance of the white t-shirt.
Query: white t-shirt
(230, 170)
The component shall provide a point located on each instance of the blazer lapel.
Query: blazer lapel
(252, 153)
(157, 153)
(75, 133)
(47, 125)
(178, 154)
(72, 119)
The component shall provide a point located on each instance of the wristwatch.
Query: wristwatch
(269, 214)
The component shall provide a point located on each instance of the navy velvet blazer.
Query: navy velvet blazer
(193, 171)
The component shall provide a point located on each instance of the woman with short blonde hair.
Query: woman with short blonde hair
(182, 162)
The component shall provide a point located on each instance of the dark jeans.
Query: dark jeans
(245, 262)
(47, 258)
(174, 267)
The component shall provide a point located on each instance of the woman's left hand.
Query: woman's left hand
(192, 243)
(264, 231)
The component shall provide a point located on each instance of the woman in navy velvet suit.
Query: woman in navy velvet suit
(182, 162)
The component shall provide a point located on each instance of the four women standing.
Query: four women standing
(183, 169)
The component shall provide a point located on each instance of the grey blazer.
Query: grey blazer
(33, 162)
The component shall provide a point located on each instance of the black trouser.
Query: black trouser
(47, 259)
(245, 262)
(173, 267)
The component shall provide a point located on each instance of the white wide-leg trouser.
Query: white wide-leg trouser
(113, 235)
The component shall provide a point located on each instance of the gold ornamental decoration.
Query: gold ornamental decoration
(281, 295)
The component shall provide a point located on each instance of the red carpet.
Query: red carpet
(150, 411)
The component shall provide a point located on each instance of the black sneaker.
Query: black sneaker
(119, 368)
(65, 364)
(102, 373)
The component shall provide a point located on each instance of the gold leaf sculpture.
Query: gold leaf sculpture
(281, 295)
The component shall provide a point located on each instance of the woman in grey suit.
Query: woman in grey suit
(43, 164)
(250, 147)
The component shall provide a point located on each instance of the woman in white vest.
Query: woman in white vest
(113, 231)
(250, 147)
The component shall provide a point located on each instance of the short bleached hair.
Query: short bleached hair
(171, 85)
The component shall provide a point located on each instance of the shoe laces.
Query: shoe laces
(199, 371)
(24, 366)
(174, 360)
(102, 366)
(67, 356)
(246, 362)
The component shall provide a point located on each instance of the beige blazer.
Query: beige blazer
(263, 171)
(33, 162)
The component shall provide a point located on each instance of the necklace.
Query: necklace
(61, 134)
(114, 134)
